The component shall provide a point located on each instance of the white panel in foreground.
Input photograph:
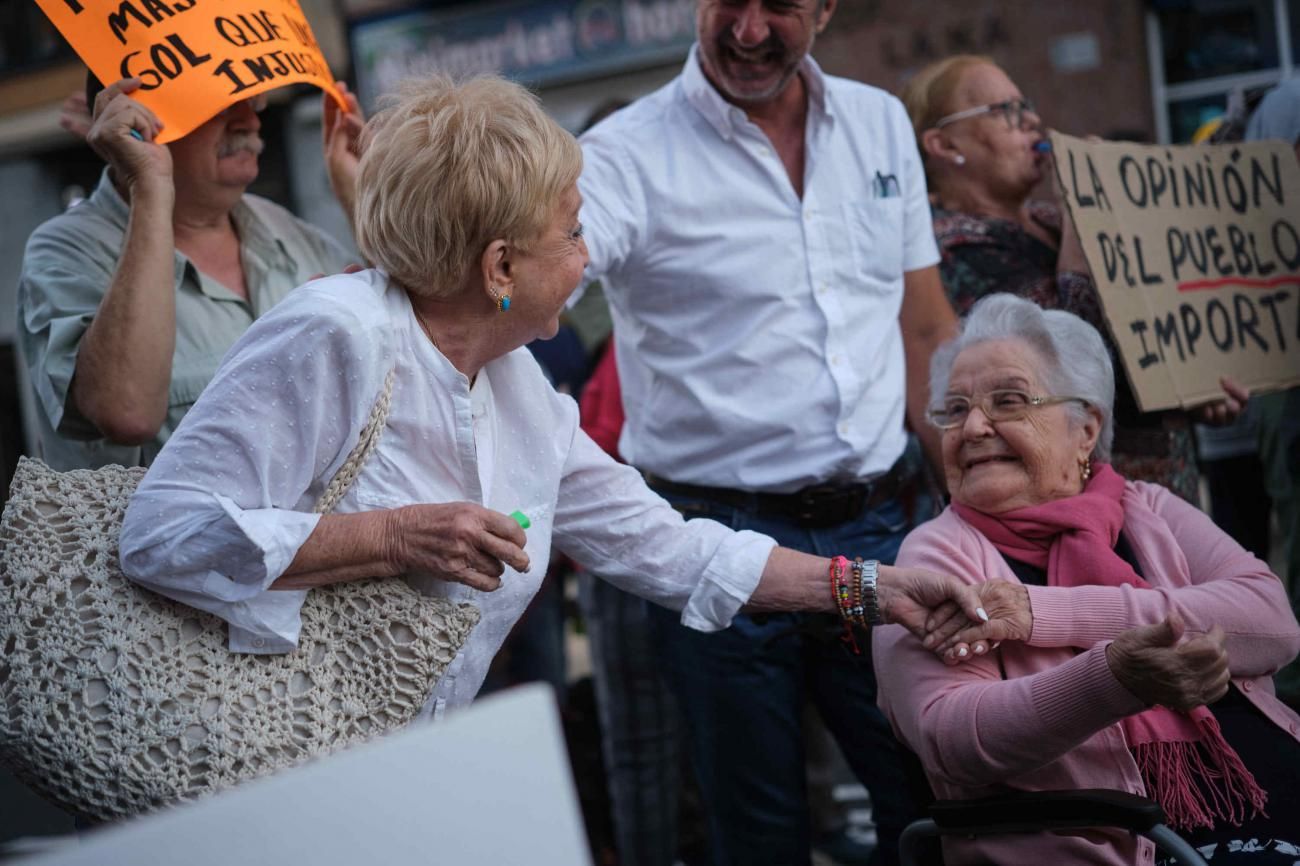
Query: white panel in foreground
(489, 785)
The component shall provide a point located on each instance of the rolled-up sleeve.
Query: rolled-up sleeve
(610, 522)
(64, 278)
(226, 506)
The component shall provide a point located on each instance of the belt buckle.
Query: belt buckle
(815, 501)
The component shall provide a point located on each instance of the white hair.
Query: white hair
(1077, 361)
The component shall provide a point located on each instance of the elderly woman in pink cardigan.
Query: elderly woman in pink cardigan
(1138, 640)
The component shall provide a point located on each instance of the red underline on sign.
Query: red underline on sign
(1256, 283)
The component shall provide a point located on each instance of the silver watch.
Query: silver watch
(870, 600)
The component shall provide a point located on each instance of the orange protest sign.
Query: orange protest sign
(195, 57)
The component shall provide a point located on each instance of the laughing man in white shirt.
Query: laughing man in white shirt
(763, 234)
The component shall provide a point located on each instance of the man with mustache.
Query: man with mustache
(763, 234)
(129, 300)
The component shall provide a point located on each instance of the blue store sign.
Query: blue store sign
(537, 43)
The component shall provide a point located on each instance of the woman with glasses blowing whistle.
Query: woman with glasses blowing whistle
(985, 151)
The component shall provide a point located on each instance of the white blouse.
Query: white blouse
(225, 507)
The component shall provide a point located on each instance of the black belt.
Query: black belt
(814, 507)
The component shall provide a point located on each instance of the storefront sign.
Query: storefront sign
(194, 57)
(537, 43)
(1196, 253)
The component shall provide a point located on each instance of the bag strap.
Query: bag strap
(351, 468)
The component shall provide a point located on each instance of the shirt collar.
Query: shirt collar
(255, 236)
(727, 118)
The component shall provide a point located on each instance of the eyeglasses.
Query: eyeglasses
(1013, 112)
(998, 406)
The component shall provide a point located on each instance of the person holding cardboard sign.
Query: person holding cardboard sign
(984, 151)
(128, 302)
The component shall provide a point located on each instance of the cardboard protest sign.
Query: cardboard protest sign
(1196, 254)
(195, 57)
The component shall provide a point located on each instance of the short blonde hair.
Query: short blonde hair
(448, 167)
(929, 94)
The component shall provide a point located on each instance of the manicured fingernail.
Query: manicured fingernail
(982, 613)
(521, 519)
(136, 134)
(962, 652)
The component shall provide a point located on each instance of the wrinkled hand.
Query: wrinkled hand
(74, 114)
(461, 542)
(954, 637)
(341, 140)
(1159, 666)
(907, 596)
(1225, 411)
(132, 159)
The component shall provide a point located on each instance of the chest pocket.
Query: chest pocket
(875, 236)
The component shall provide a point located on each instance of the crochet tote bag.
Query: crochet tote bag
(115, 700)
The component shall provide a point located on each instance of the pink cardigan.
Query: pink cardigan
(1042, 715)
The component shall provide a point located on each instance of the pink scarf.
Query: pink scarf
(1074, 540)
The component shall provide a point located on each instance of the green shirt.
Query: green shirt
(67, 268)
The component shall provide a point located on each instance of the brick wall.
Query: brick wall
(882, 42)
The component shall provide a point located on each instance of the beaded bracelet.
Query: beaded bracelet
(845, 593)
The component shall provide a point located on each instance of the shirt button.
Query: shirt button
(1247, 686)
(835, 360)
(844, 429)
(259, 642)
(1293, 729)
(823, 289)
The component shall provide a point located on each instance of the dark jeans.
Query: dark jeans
(742, 691)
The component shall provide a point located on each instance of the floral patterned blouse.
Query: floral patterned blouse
(983, 255)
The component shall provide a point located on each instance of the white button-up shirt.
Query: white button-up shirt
(757, 333)
(225, 507)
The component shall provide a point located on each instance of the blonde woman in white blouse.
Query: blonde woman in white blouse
(468, 206)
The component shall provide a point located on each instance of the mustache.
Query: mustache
(237, 142)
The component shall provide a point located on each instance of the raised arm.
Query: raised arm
(1229, 588)
(927, 321)
(340, 144)
(124, 361)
